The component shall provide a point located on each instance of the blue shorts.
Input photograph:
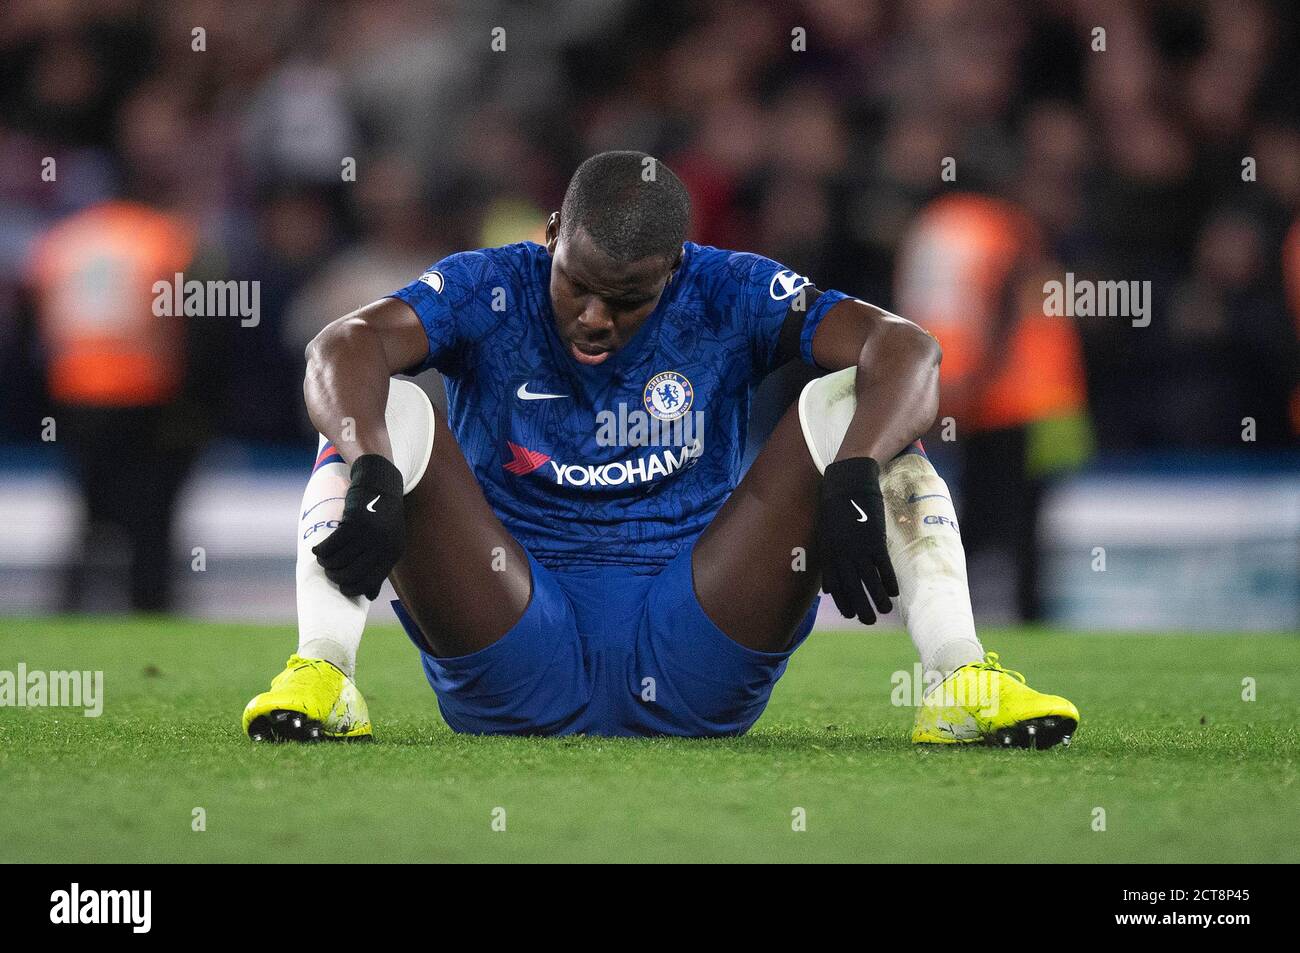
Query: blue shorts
(608, 650)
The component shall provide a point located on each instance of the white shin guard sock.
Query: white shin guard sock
(329, 623)
(925, 548)
(922, 535)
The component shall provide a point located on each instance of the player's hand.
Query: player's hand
(358, 556)
(851, 526)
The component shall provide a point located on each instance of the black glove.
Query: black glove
(358, 556)
(851, 526)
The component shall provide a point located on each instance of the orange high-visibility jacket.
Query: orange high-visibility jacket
(94, 274)
(968, 264)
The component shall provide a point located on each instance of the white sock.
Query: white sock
(922, 535)
(329, 623)
(925, 548)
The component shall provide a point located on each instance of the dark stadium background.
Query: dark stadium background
(1129, 160)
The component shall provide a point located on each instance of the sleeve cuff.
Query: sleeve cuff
(825, 301)
(422, 300)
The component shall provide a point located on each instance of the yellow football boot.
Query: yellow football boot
(984, 702)
(311, 700)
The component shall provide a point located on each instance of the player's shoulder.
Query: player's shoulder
(504, 264)
(704, 261)
(722, 271)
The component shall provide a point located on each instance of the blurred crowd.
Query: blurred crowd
(813, 132)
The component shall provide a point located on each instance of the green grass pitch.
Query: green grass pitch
(1184, 768)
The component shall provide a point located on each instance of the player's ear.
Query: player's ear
(552, 231)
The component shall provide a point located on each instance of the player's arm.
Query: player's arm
(897, 389)
(897, 382)
(348, 367)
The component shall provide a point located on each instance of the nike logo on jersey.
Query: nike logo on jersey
(370, 507)
(862, 517)
(524, 394)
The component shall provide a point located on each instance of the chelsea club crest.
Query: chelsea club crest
(668, 395)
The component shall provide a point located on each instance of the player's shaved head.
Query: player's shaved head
(630, 204)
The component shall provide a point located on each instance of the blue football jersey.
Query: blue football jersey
(625, 462)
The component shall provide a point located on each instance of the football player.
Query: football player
(570, 545)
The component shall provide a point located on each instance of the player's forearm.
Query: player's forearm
(897, 390)
(346, 388)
